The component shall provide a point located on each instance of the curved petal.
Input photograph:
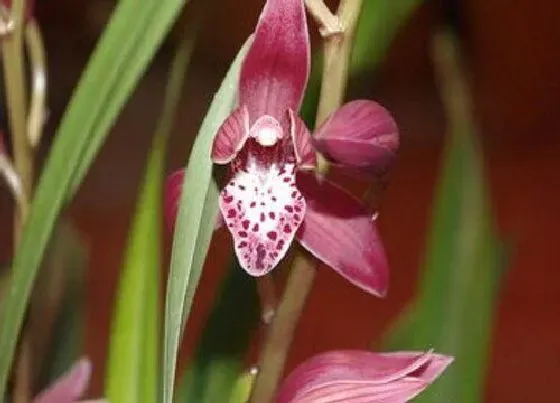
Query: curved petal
(70, 387)
(231, 136)
(263, 211)
(276, 69)
(339, 231)
(361, 134)
(173, 190)
(301, 139)
(361, 376)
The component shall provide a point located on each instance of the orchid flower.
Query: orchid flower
(70, 386)
(362, 376)
(272, 196)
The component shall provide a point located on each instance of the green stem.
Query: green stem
(337, 50)
(14, 79)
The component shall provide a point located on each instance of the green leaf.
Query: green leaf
(454, 307)
(132, 372)
(133, 369)
(215, 370)
(196, 218)
(378, 24)
(127, 45)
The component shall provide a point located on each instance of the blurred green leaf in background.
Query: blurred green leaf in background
(221, 352)
(378, 24)
(454, 307)
(133, 366)
(129, 42)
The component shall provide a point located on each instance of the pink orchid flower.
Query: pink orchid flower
(70, 386)
(272, 197)
(362, 376)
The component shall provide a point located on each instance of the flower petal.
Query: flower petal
(362, 134)
(70, 387)
(276, 69)
(339, 231)
(262, 210)
(303, 146)
(231, 136)
(173, 190)
(361, 377)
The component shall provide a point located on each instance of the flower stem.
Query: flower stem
(282, 329)
(336, 50)
(14, 79)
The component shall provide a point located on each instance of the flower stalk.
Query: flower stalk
(336, 50)
(12, 48)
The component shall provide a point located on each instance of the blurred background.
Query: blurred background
(511, 50)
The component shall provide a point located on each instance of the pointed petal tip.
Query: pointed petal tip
(70, 386)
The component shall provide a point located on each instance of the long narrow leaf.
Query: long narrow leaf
(69, 153)
(133, 364)
(133, 372)
(454, 308)
(194, 225)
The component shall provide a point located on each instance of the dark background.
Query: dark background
(512, 52)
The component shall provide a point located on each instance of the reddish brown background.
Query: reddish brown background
(515, 64)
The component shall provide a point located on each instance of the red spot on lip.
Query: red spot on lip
(245, 224)
(231, 213)
(272, 215)
(296, 217)
(287, 229)
(228, 199)
(255, 227)
(243, 244)
(287, 179)
(280, 244)
(253, 204)
(298, 209)
(262, 217)
(242, 234)
(272, 235)
(289, 209)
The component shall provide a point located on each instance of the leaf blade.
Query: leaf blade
(190, 247)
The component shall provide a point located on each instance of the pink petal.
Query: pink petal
(361, 134)
(303, 146)
(339, 231)
(173, 190)
(361, 377)
(70, 387)
(262, 210)
(231, 136)
(276, 69)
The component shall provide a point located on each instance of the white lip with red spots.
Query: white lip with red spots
(261, 204)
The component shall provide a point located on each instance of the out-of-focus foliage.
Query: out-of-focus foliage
(453, 310)
(122, 55)
(378, 24)
(197, 213)
(57, 309)
(133, 373)
(133, 364)
(219, 359)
